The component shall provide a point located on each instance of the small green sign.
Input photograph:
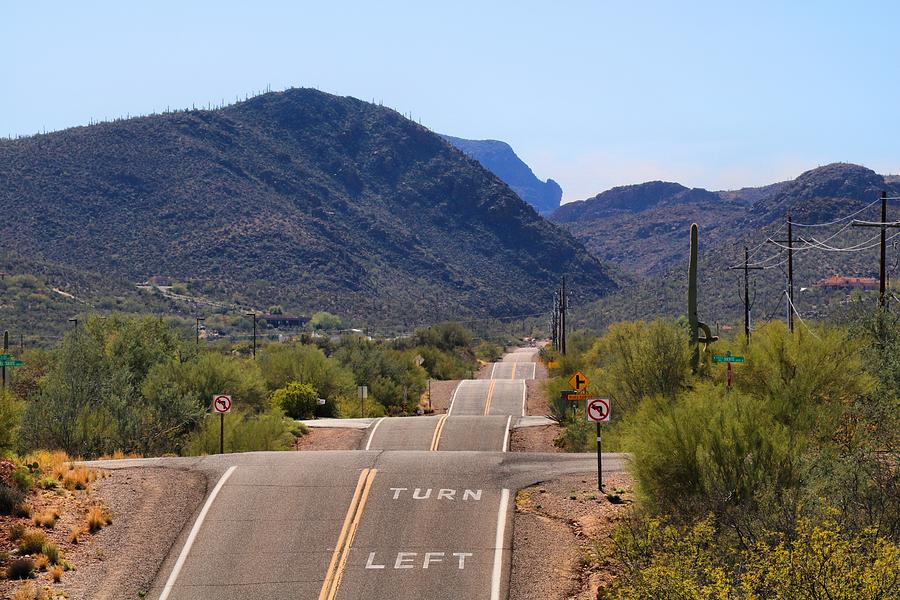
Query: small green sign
(718, 358)
(11, 363)
(6, 357)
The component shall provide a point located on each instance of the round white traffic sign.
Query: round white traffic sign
(598, 410)
(222, 404)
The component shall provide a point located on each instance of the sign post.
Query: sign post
(363, 394)
(598, 411)
(222, 404)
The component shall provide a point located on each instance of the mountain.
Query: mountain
(500, 159)
(628, 226)
(640, 227)
(298, 198)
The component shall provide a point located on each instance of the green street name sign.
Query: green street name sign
(6, 357)
(7, 362)
(718, 358)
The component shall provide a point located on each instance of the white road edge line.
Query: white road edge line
(372, 434)
(498, 546)
(534, 370)
(506, 435)
(170, 583)
(524, 396)
(494, 368)
(453, 399)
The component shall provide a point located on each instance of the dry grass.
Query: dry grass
(26, 592)
(41, 562)
(46, 519)
(32, 542)
(56, 573)
(119, 455)
(98, 518)
(50, 462)
(76, 533)
(78, 478)
(16, 532)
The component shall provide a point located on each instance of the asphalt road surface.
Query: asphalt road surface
(402, 519)
(353, 525)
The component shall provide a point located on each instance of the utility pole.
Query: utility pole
(5, 350)
(790, 290)
(253, 314)
(746, 268)
(564, 307)
(554, 321)
(199, 319)
(883, 225)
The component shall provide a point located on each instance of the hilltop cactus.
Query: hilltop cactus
(695, 324)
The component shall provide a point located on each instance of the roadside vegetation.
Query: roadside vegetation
(144, 386)
(784, 486)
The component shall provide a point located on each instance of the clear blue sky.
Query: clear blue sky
(592, 94)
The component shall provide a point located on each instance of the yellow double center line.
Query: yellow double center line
(438, 430)
(490, 395)
(351, 524)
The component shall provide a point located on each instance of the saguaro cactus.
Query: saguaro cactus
(693, 318)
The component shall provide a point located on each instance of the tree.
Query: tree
(297, 400)
(324, 320)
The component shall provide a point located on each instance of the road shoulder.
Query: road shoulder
(556, 525)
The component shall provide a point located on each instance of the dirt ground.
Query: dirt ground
(562, 537)
(331, 438)
(536, 399)
(441, 393)
(148, 508)
(534, 439)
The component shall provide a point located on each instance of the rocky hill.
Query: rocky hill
(643, 229)
(299, 198)
(502, 161)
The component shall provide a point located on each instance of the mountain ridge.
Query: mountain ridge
(499, 158)
(298, 198)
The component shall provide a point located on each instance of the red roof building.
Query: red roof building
(849, 283)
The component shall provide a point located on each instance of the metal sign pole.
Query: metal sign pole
(599, 460)
(221, 433)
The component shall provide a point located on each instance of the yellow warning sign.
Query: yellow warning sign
(578, 381)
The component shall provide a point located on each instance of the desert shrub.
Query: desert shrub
(16, 532)
(87, 402)
(822, 561)
(445, 364)
(297, 400)
(282, 364)
(10, 498)
(711, 452)
(51, 551)
(78, 478)
(20, 568)
(577, 435)
(636, 360)
(392, 376)
(11, 410)
(23, 478)
(446, 336)
(244, 432)
(56, 573)
(32, 542)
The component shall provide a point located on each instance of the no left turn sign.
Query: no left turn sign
(222, 404)
(598, 410)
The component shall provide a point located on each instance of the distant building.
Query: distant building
(285, 321)
(839, 282)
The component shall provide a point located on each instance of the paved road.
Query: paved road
(402, 519)
(354, 525)
(488, 397)
(513, 370)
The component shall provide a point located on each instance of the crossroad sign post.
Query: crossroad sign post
(597, 410)
(222, 404)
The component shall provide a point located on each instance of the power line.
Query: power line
(842, 219)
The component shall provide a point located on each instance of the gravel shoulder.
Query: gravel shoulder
(556, 526)
(441, 393)
(149, 508)
(331, 438)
